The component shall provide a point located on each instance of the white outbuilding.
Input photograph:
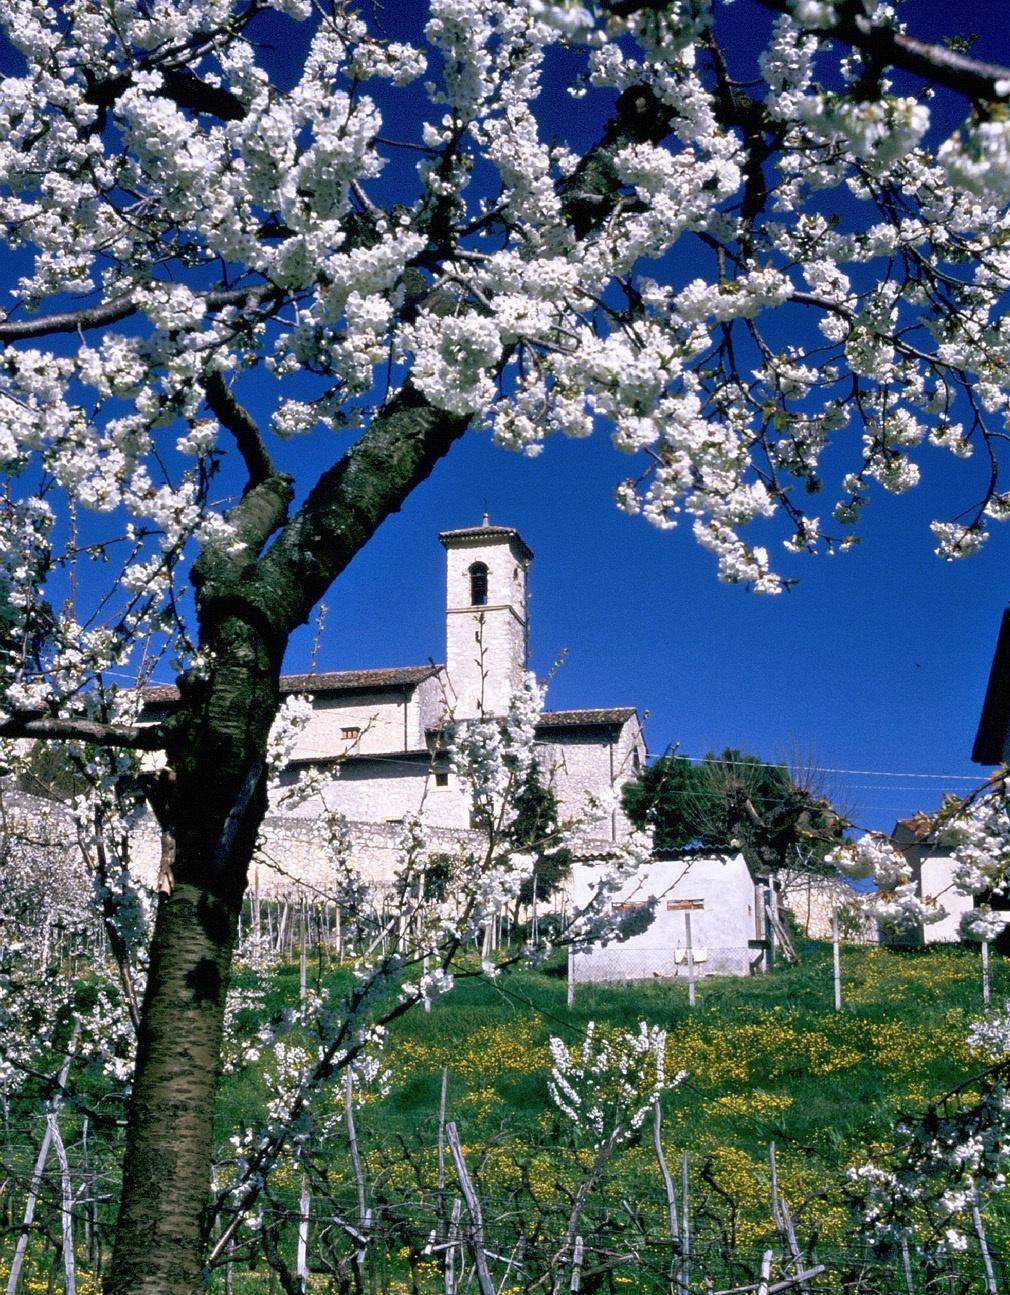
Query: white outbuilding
(932, 870)
(703, 901)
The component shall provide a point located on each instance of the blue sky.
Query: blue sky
(876, 661)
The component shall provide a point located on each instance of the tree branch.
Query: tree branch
(230, 414)
(32, 724)
(594, 188)
(111, 312)
(968, 76)
(351, 500)
(408, 436)
(181, 86)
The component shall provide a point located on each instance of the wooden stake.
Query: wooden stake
(352, 1143)
(302, 1252)
(836, 960)
(576, 1266)
(450, 1252)
(441, 1149)
(668, 1187)
(21, 1246)
(690, 961)
(906, 1264)
(983, 1245)
(985, 973)
(67, 1205)
(476, 1228)
(766, 1272)
(685, 1226)
(571, 977)
(776, 1213)
(794, 1245)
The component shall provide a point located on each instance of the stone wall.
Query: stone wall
(579, 762)
(293, 856)
(383, 719)
(486, 646)
(812, 900)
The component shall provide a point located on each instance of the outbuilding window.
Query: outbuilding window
(478, 585)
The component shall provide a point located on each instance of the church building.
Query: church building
(378, 735)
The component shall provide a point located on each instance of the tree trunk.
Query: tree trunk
(214, 813)
(247, 608)
(166, 1174)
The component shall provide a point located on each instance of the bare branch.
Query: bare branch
(111, 312)
(229, 413)
(141, 737)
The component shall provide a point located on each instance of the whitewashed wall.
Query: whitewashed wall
(720, 929)
(936, 876)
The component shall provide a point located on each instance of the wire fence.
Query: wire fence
(617, 962)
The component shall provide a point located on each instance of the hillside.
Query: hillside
(767, 1060)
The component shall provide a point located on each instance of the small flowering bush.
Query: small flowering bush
(609, 1084)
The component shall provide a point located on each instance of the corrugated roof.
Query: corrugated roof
(486, 532)
(328, 681)
(585, 718)
(994, 722)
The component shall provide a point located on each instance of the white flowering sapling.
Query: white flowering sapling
(897, 901)
(193, 228)
(952, 1160)
(975, 834)
(609, 1083)
(606, 1087)
(956, 1156)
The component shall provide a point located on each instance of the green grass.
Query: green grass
(767, 1059)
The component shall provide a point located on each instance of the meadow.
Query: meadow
(768, 1062)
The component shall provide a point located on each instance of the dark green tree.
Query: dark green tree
(663, 797)
(534, 830)
(735, 801)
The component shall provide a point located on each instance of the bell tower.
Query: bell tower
(486, 619)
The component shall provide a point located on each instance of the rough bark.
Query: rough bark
(160, 1232)
(213, 810)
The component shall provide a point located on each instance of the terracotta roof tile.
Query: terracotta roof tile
(487, 532)
(329, 681)
(585, 718)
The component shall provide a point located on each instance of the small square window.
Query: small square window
(441, 778)
(347, 733)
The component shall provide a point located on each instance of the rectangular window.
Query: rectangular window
(441, 779)
(630, 906)
(348, 733)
